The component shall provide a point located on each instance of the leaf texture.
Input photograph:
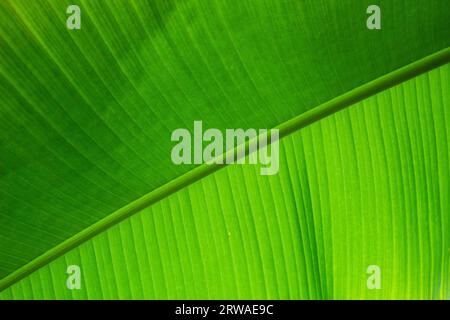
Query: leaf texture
(366, 186)
(86, 115)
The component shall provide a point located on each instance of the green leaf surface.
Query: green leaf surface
(86, 115)
(366, 186)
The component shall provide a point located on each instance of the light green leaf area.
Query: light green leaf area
(86, 115)
(366, 186)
